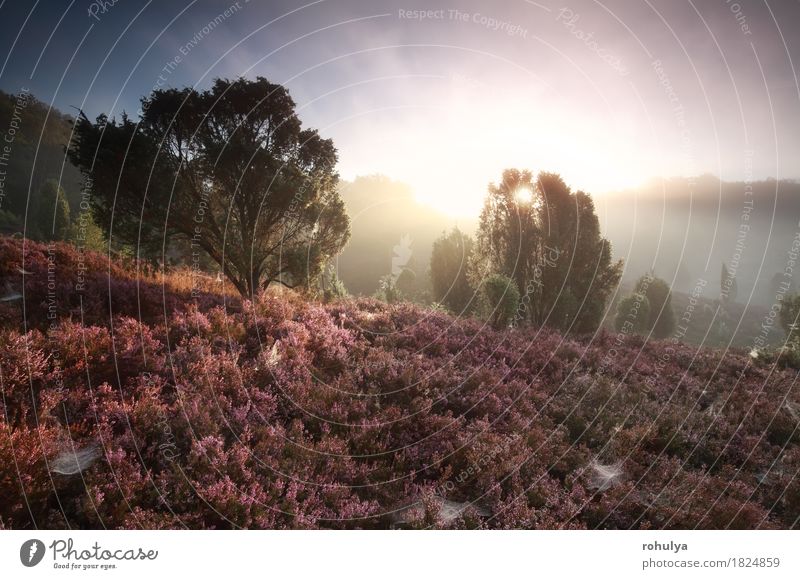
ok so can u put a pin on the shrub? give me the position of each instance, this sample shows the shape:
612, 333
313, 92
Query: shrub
633, 314
500, 298
293, 414
659, 296
333, 288
450, 257
790, 311
50, 219
60, 281
388, 290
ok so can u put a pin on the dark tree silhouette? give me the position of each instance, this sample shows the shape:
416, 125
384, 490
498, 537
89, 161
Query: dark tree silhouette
547, 239
633, 314
41, 133
499, 300
50, 213
230, 170
659, 296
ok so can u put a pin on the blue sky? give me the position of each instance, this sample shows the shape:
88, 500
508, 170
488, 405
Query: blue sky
609, 94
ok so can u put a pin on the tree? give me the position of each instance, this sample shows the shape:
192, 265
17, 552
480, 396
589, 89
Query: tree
790, 318
406, 282
727, 286
790, 321
659, 296
449, 260
779, 285
10, 223
40, 135
500, 300
331, 287
230, 169
387, 290
547, 239
51, 213
84, 232
633, 314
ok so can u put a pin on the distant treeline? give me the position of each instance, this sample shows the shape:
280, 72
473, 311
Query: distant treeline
684, 229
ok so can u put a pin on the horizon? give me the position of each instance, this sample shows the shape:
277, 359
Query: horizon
641, 188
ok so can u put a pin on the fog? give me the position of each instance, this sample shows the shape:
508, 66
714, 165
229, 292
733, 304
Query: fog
686, 229
683, 229
389, 230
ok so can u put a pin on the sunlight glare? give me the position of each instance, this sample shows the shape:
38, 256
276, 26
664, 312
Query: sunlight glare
524, 195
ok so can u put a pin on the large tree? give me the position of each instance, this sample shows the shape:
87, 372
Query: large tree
449, 260
547, 239
230, 169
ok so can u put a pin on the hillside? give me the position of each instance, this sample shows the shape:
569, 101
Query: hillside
160, 411
36, 136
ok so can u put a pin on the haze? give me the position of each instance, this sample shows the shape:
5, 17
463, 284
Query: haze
607, 94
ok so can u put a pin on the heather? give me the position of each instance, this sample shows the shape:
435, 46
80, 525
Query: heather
59, 280
282, 412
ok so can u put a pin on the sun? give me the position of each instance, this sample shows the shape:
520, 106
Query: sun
524, 195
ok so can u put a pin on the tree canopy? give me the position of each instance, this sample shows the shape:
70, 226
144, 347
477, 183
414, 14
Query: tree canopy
547, 239
633, 314
230, 170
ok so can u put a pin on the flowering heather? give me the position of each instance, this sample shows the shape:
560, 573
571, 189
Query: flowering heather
56, 281
285, 413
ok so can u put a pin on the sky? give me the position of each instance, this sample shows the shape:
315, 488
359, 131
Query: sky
445, 96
